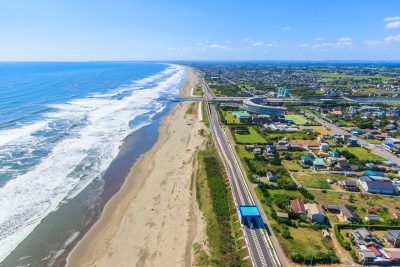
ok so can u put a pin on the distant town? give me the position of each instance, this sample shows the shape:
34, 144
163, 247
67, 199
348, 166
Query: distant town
319, 145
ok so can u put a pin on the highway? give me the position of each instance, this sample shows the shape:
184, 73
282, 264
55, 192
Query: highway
377, 149
261, 249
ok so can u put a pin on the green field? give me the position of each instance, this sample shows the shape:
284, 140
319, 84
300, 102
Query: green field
317, 180
230, 119
361, 153
292, 165
297, 119
252, 138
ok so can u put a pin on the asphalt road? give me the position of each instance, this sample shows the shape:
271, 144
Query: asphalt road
261, 250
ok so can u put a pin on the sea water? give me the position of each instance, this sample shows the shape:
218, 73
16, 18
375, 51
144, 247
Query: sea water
61, 126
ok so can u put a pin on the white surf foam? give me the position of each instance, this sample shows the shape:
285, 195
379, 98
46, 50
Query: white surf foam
78, 159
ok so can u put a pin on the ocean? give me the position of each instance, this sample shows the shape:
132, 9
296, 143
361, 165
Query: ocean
69, 133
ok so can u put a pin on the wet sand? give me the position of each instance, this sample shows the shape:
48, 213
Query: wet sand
153, 220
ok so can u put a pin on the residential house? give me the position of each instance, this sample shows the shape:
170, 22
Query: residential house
324, 147
306, 161
349, 185
346, 214
393, 237
319, 163
297, 206
363, 237
372, 218
315, 213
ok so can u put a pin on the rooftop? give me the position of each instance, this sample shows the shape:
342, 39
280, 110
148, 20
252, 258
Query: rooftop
249, 211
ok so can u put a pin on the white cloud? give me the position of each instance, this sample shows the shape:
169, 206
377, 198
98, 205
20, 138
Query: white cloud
393, 24
392, 18
218, 46
392, 38
386, 41
317, 43
258, 43
286, 28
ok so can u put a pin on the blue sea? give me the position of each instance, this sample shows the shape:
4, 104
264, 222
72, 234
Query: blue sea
61, 126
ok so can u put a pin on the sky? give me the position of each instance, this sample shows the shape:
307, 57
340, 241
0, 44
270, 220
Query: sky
82, 30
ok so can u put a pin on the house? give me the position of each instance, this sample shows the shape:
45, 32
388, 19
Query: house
339, 139
332, 208
363, 237
352, 142
342, 165
367, 255
271, 177
297, 206
393, 254
357, 132
372, 218
306, 161
241, 116
373, 209
315, 213
393, 237
349, 185
347, 214
324, 146
377, 187
319, 163
321, 139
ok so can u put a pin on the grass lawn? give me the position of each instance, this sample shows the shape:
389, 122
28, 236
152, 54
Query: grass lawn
297, 119
317, 180
252, 138
230, 119
305, 241
292, 166
361, 153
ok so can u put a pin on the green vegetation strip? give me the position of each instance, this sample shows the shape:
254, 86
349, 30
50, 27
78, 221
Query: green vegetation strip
217, 205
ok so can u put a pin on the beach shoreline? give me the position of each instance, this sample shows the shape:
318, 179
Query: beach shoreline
148, 222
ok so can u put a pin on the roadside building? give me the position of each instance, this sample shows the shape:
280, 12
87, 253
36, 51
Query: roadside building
315, 213
346, 214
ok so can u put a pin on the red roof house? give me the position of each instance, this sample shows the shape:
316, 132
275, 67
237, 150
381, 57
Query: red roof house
297, 206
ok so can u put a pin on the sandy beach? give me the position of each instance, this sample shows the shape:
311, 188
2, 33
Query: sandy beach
153, 220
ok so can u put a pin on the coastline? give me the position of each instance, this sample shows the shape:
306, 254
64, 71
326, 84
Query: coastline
148, 222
